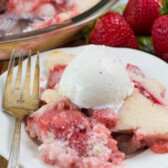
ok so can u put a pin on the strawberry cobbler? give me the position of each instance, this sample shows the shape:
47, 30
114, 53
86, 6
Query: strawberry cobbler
69, 139
27, 15
78, 134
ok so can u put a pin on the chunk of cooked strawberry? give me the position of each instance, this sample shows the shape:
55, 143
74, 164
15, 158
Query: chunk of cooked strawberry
63, 118
64, 123
160, 146
134, 69
104, 116
33, 127
150, 88
23, 6
79, 142
48, 160
55, 75
100, 129
116, 155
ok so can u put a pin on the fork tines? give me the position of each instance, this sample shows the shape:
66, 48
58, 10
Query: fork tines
22, 88
18, 101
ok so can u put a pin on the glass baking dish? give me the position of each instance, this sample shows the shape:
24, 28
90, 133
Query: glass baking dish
52, 36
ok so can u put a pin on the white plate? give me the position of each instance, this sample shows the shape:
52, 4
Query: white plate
153, 68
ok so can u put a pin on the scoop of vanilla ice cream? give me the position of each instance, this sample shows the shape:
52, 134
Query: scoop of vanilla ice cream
96, 78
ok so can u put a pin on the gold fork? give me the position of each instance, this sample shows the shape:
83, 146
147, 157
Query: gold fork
19, 101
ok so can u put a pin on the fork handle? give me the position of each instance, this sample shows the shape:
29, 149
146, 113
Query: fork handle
14, 153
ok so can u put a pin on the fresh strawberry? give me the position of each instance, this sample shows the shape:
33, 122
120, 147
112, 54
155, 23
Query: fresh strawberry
105, 116
160, 37
55, 75
113, 30
140, 15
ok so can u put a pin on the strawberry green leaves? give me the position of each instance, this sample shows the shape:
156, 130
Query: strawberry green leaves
164, 9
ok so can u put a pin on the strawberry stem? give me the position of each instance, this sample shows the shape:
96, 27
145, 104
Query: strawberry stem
84, 35
119, 9
166, 3
164, 9
145, 44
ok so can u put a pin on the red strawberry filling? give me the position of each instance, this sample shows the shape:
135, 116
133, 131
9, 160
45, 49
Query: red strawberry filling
160, 146
147, 93
131, 143
155, 142
104, 116
79, 142
28, 15
55, 75
70, 140
134, 69
26, 5
145, 87
34, 6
